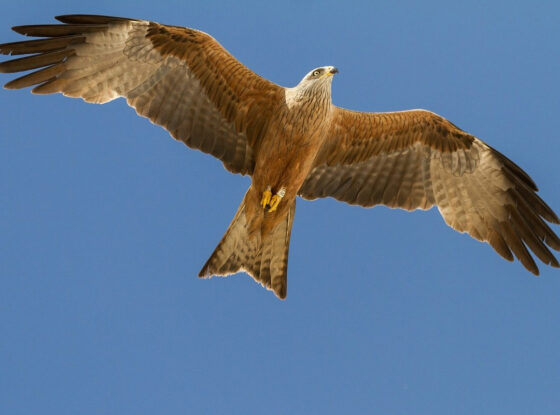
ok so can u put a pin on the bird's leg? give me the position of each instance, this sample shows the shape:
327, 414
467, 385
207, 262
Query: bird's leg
269, 202
267, 195
275, 201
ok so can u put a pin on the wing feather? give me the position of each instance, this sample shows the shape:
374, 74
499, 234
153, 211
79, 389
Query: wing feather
416, 160
179, 78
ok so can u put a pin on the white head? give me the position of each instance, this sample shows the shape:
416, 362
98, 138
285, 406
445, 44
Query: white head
318, 75
315, 85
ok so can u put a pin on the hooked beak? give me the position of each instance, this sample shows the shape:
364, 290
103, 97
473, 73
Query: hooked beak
333, 70
330, 72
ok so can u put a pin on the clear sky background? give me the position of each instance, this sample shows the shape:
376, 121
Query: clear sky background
105, 222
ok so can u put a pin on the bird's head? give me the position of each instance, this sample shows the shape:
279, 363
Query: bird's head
319, 75
316, 84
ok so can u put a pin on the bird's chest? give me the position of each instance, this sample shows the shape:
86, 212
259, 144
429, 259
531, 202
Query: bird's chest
288, 149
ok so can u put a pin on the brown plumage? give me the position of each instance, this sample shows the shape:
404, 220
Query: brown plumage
291, 141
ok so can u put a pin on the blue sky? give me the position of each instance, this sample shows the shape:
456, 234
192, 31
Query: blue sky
105, 222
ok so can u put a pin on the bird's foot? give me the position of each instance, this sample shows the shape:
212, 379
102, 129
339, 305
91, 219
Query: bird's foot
269, 202
267, 196
275, 201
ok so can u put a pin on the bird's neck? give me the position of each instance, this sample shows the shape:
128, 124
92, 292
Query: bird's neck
314, 96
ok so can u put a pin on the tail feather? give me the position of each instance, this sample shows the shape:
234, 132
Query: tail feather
263, 258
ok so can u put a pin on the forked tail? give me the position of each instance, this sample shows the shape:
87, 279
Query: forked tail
263, 258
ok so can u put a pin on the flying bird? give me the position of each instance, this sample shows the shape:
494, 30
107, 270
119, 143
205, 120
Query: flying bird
291, 141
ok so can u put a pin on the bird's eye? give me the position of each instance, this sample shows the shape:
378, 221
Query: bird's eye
316, 73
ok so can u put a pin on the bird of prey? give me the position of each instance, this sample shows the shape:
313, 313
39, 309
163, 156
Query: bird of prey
291, 141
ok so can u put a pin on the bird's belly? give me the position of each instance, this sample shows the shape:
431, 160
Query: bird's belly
284, 163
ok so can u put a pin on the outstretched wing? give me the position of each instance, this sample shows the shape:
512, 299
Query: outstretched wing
417, 159
180, 78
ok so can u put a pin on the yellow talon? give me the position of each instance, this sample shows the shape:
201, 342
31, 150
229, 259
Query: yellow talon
274, 202
267, 195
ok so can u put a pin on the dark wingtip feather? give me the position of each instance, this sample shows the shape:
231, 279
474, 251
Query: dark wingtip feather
500, 246
34, 61
20, 29
515, 169
37, 77
554, 218
56, 30
89, 19
39, 45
